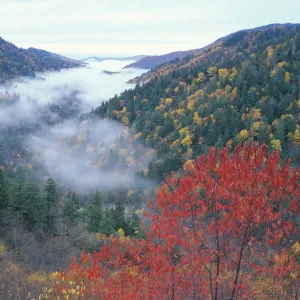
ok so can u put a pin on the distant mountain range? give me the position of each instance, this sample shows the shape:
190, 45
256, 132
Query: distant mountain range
150, 62
15, 61
100, 59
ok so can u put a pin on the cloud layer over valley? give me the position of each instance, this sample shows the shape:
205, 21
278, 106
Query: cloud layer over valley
90, 85
81, 156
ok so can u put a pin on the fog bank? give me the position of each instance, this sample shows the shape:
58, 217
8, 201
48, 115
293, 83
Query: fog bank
80, 156
89, 86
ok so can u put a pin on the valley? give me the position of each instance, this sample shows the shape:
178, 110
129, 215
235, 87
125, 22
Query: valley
179, 182
43, 135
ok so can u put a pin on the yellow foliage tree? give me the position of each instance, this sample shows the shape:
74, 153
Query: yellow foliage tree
271, 57
256, 126
295, 137
212, 71
282, 64
191, 103
137, 136
180, 111
201, 77
125, 121
234, 93
223, 74
197, 119
182, 131
189, 165
287, 77
233, 74
243, 134
187, 141
276, 145
256, 114
169, 101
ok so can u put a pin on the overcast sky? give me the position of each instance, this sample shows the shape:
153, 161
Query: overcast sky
128, 27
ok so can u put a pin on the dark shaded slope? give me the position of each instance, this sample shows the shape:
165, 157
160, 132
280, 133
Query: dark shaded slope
16, 61
47, 54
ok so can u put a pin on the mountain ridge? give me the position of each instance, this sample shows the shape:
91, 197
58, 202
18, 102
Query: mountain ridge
15, 61
151, 62
48, 53
100, 59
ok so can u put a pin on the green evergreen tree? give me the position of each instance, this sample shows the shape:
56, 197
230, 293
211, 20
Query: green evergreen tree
118, 215
18, 187
95, 213
167, 127
133, 224
71, 208
220, 144
4, 195
97, 200
211, 134
107, 225
52, 197
34, 207
280, 133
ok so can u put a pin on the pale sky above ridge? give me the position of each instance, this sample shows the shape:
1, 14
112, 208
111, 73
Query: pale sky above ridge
118, 28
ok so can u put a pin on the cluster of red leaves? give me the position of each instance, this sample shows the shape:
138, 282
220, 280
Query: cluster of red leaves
218, 232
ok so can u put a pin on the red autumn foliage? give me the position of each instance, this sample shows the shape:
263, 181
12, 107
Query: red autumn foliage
222, 231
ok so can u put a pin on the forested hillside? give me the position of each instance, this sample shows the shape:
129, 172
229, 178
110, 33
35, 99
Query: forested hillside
224, 220
16, 61
245, 88
47, 54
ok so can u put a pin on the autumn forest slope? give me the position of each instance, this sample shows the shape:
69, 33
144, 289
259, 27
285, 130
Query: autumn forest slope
243, 89
152, 62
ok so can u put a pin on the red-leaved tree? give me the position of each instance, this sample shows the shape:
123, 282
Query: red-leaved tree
224, 230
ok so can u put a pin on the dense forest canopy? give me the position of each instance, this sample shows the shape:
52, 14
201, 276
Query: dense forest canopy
245, 88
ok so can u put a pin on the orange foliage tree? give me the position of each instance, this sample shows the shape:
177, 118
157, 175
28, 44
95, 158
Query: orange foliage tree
224, 230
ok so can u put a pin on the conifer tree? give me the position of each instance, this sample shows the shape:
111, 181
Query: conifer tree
220, 143
71, 207
34, 207
4, 196
18, 191
52, 198
167, 127
133, 223
107, 226
118, 215
97, 200
95, 213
